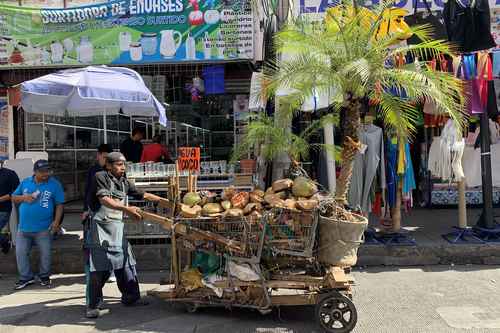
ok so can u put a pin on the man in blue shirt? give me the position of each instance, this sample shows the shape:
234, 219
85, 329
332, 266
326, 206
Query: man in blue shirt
38, 197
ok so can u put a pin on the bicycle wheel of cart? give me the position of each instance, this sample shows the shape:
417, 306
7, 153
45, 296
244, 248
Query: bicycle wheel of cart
336, 313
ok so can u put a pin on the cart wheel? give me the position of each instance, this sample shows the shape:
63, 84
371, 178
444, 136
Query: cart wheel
336, 313
191, 307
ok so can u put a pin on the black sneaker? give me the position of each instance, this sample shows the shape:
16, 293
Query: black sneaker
23, 284
6, 247
45, 282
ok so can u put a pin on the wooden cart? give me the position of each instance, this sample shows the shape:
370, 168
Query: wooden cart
242, 242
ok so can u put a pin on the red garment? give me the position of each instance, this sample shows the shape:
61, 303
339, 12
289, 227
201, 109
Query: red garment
154, 152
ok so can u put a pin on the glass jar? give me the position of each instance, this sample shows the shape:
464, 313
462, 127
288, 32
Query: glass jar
149, 43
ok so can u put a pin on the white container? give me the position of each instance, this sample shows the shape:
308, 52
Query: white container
56, 50
135, 51
85, 51
168, 45
221, 45
45, 56
68, 44
125, 38
207, 46
190, 47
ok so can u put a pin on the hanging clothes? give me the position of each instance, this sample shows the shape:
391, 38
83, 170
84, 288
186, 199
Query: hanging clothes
408, 176
445, 155
399, 169
468, 24
391, 171
367, 165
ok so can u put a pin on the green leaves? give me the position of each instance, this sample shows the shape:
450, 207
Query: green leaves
272, 141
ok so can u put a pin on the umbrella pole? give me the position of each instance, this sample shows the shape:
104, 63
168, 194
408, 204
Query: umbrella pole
105, 126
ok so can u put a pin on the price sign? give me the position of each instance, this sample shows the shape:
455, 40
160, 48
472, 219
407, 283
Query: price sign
189, 158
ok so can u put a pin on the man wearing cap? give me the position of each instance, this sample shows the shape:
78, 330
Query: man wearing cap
107, 248
38, 197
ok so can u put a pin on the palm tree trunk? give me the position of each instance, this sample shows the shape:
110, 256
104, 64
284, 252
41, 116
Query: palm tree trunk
350, 148
396, 211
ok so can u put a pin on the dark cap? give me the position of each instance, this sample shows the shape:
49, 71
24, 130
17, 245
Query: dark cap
115, 157
41, 165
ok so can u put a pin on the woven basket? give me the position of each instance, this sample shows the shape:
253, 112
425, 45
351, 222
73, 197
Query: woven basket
339, 240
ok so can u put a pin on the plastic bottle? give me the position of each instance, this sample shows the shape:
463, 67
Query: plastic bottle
190, 47
207, 47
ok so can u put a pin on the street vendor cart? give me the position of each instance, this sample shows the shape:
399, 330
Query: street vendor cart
258, 261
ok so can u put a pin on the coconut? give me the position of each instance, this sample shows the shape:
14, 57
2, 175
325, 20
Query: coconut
282, 184
240, 200
234, 212
307, 204
304, 187
190, 212
274, 201
251, 207
282, 195
191, 199
258, 192
211, 208
228, 193
226, 204
290, 204
255, 198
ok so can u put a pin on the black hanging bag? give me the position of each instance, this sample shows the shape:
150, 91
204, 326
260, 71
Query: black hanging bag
429, 18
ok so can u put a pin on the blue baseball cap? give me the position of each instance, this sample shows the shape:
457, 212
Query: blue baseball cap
41, 165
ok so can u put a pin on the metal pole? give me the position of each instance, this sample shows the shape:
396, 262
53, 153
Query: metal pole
486, 220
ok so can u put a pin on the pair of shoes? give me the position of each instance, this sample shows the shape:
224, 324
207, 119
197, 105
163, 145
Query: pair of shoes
92, 313
23, 284
6, 247
45, 282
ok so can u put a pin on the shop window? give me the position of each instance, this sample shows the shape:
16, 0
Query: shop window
65, 119
87, 138
113, 139
90, 121
59, 137
123, 123
34, 117
34, 137
112, 122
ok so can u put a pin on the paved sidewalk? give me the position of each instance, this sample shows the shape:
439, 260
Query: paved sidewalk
437, 299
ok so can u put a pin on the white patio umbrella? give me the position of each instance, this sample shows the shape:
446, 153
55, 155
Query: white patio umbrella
90, 91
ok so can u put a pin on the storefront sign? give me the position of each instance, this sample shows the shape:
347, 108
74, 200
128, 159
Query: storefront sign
127, 32
189, 158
